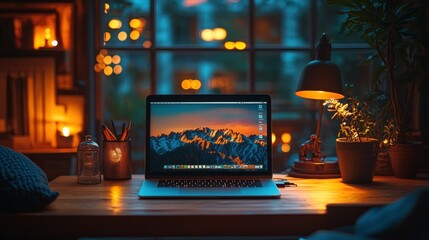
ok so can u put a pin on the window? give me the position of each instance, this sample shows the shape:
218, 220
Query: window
222, 46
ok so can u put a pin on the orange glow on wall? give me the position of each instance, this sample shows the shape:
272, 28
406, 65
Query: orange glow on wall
273, 138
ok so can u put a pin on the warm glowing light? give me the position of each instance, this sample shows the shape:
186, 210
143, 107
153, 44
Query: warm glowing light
273, 138
319, 95
117, 69
116, 59
66, 131
219, 34
108, 71
122, 36
97, 68
134, 35
107, 60
115, 198
135, 23
107, 36
115, 23
186, 84
54, 43
47, 33
229, 45
106, 8
115, 154
195, 84
240, 45
286, 137
103, 52
191, 84
207, 35
99, 58
147, 44
285, 147
385, 141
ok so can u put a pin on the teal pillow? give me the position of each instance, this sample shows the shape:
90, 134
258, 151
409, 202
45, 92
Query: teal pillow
23, 184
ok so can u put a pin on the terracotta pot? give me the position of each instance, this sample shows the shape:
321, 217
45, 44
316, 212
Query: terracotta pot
357, 159
383, 167
404, 159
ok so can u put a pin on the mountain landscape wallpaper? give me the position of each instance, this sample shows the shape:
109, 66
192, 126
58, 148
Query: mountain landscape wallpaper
209, 135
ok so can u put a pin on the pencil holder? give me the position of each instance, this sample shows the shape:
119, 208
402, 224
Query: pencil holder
117, 160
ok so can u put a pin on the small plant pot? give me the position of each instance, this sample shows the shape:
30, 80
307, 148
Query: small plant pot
357, 160
383, 167
405, 158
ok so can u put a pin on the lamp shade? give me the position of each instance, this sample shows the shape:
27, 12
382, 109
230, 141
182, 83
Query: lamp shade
321, 78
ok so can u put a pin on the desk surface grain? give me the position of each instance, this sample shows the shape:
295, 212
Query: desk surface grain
113, 208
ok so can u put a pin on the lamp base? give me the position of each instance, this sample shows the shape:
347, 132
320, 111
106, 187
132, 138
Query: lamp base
310, 169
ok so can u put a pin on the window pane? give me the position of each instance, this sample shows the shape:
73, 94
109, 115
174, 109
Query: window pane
202, 72
354, 70
124, 96
126, 24
329, 22
277, 74
207, 23
284, 23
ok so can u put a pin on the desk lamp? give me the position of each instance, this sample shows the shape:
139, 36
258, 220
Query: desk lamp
320, 80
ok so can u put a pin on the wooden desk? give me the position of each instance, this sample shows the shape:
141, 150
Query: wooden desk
113, 209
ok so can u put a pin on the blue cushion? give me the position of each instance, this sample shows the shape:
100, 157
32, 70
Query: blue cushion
406, 218
23, 185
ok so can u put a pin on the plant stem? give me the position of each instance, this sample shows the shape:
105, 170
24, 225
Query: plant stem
397, 111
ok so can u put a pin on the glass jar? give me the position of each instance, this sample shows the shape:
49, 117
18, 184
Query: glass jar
88, 165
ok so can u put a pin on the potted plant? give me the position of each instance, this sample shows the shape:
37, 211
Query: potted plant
356, 149
396, 30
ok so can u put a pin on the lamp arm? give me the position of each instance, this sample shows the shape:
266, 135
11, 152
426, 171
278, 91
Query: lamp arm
319, 120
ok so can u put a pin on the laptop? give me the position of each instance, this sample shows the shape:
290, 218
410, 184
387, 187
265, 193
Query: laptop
208, 146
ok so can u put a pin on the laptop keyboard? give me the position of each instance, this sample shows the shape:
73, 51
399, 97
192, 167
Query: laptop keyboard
195, 183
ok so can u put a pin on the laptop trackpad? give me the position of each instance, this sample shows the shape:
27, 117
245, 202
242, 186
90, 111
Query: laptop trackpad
209, 192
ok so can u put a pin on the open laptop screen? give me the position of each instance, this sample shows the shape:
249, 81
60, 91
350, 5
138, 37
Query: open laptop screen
203, 134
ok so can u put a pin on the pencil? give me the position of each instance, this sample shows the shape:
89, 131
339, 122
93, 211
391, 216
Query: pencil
108, 135
114, 129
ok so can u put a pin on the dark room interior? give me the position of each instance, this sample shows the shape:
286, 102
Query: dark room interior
345, 130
